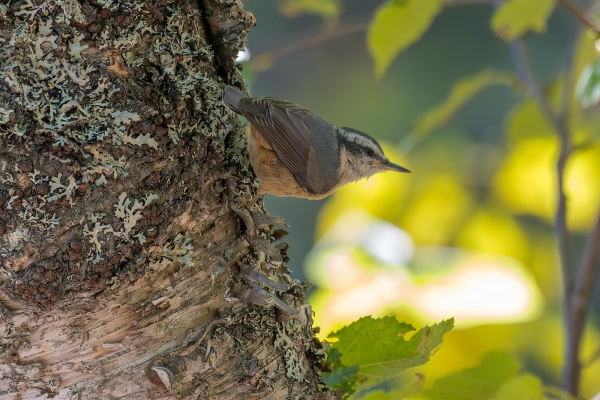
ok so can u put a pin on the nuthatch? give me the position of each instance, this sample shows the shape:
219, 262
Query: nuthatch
296, 153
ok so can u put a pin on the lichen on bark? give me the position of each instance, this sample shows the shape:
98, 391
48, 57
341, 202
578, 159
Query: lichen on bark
121, 253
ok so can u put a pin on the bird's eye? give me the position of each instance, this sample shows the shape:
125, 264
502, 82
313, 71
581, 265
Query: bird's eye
370, 152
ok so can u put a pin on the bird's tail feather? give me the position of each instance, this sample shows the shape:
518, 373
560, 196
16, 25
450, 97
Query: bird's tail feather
232, 97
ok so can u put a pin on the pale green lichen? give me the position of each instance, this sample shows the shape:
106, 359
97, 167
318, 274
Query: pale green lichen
96, 229
60, 190
106, 164
76, 48
5, 115
130, 212
39, 218
56, 90
294, 366
124, 117
140, 140
178, 250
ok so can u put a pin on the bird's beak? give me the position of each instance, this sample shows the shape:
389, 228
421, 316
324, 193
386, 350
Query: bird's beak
394, 167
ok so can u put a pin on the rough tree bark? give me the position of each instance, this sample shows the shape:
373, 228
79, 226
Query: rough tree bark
136, 261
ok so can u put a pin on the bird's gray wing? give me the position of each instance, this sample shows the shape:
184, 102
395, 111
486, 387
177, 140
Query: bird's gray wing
282, 125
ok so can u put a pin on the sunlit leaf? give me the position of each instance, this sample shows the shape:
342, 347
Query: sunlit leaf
378, 348
328, 9
405, 393
491, 231
524, 387
515, 17
480, 382
439, 207
397, 25
588, 85
526, 181
582, 187
462, 92
526, 120
556, 393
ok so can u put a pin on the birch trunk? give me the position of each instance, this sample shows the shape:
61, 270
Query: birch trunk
125, 272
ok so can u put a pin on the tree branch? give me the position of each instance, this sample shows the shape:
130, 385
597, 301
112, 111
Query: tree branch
524, 71
265, 60
575, 312
579, 305
581, 15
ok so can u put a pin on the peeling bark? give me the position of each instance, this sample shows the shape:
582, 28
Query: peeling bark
127, 266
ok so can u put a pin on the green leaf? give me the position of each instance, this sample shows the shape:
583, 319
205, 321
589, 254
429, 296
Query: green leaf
397, 25
377, 347
515, 17
555, 393
481, 382
524, 387
328, 9
527, 120
342, 378
406, 392
462, 92
588, 85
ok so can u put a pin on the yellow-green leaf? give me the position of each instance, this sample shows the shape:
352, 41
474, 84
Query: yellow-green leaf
397, 25
516, 17
462, 92
524, 387
328, 9
527, 120
480, 382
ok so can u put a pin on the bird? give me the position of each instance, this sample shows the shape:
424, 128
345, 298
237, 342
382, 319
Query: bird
296, 153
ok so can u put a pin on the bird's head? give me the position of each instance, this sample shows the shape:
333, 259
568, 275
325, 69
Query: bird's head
362, 156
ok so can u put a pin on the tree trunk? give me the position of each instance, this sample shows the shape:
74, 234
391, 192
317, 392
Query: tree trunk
132, 266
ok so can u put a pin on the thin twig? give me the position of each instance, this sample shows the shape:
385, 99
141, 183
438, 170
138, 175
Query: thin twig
574, 317
523, 68
582, 15
582, 294
577, 290
569, 83
572, 367
265, 60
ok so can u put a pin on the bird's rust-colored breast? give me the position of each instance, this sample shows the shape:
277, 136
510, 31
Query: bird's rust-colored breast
274, 177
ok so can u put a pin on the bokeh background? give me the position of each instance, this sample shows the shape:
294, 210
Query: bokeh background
469, 233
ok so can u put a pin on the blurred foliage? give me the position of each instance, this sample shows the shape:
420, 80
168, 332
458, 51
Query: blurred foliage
515, 17
370, 351
462, 92
396, 25
497, 377
481, 382
469, 233
588, 87
329, 10
399, 23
